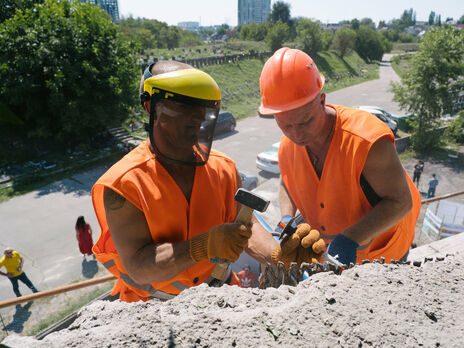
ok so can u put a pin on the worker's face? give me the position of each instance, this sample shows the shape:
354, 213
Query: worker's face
303, 124
176, 127
8, 253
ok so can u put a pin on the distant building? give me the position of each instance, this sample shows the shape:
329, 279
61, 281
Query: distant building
192, 26
110, 6
256, 11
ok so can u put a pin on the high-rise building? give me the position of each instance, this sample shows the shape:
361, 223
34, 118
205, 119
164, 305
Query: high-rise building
110, 6
253, 11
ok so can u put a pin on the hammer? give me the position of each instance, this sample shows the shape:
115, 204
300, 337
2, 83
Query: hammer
250, 201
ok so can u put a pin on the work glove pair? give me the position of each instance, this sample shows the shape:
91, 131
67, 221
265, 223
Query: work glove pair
226, 241
305, 245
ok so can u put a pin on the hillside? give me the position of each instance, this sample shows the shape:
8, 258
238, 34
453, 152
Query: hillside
239, 82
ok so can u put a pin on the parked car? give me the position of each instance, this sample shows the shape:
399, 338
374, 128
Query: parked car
382, 115
268, 160
249, 181
226, 123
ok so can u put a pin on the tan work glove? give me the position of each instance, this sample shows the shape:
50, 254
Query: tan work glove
226, 241
305, 245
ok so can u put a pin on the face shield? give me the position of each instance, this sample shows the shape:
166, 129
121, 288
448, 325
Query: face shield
183, 115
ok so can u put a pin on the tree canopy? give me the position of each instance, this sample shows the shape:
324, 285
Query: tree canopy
276, 35
65, 72
9, 7
309, 36
280, 12
344, 41
370, 44
430, 87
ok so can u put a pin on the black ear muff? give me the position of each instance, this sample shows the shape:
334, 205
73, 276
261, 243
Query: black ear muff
144, 97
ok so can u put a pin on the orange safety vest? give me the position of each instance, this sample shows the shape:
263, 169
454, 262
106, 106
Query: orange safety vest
336, 200
142, 180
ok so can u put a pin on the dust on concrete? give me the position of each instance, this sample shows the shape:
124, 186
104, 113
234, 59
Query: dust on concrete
369, 305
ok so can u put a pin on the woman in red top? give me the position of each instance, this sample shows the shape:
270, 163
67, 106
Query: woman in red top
84, 236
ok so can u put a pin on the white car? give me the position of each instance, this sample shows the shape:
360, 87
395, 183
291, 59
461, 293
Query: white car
268, 160
382, 115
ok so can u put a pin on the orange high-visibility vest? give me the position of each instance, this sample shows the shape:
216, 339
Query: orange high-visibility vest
142, 180
336, 200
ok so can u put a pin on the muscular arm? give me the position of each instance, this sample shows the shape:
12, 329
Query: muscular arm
385, 174
144, 261
287, 207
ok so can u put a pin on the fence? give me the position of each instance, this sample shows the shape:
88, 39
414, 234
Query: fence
215, 60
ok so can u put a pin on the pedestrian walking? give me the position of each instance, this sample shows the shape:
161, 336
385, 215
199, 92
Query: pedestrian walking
13, 262
84, 236
418, 169
433, 183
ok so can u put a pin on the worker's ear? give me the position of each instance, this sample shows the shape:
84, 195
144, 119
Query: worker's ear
322, 100
146, 106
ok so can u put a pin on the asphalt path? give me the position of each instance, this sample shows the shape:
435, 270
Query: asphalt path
40, 224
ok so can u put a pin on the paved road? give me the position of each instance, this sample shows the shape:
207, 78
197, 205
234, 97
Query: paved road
40, 224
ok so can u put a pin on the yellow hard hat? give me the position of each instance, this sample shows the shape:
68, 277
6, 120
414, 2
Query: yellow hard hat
188, 86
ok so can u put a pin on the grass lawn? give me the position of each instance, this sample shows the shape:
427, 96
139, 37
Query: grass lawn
402, 47
401, 63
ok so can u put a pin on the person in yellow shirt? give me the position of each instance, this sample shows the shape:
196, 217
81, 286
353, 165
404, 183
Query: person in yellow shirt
13, 262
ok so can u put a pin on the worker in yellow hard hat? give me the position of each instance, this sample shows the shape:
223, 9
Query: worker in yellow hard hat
338, 166
167, 209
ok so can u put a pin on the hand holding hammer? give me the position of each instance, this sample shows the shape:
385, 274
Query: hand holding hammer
249, 201
227, 241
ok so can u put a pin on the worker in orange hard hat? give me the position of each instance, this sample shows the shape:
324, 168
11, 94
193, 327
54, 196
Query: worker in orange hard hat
167, 209
338, 165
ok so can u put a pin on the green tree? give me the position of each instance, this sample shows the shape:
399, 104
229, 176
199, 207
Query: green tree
429, 87
222, 30
456, 128
432, 18
367, 22
145, 38
327, 39
280, 12
65, 72
370, 44
253, 31
8, 7
276, 35
309, 36
355, 24
461, 20
438, 21
344, 41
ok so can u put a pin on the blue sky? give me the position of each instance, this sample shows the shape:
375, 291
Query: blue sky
211, 12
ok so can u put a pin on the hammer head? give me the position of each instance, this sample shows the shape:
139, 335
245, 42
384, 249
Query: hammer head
251, 200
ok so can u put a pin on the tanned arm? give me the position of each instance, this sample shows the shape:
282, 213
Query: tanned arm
287, 207
144, 261
384, 172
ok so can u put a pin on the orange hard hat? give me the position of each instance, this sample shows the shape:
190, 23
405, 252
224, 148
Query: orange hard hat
289, 79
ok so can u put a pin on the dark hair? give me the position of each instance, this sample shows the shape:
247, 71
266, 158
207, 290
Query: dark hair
80, 222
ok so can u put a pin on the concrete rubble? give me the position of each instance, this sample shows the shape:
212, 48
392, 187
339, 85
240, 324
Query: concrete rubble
377, 305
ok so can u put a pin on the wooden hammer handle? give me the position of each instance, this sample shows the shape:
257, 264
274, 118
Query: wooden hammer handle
243, 217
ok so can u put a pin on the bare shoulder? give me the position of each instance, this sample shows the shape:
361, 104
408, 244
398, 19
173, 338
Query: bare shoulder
112, 200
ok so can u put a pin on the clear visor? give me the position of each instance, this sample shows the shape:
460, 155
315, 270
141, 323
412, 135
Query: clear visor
187, 134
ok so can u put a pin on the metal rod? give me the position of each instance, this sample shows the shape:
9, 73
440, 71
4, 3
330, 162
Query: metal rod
56, 291
429, 200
